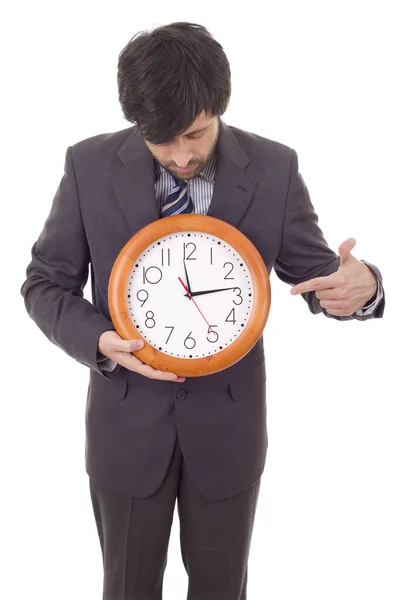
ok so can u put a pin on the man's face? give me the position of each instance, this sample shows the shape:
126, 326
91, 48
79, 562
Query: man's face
193, 148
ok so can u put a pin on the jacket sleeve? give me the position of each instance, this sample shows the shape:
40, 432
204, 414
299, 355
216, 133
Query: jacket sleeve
57, 275
304, 252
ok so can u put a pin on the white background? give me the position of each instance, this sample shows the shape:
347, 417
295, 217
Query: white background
320, 77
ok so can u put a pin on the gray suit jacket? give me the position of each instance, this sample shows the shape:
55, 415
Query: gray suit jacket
105, 196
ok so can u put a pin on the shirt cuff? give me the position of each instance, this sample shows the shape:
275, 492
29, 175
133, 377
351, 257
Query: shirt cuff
369, 308
105, 364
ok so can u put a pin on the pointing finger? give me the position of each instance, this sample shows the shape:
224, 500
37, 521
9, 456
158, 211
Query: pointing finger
318, 283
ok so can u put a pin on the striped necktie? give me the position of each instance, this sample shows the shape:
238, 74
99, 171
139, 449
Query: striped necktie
178, 200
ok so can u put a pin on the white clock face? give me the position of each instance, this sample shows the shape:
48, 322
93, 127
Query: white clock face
166, 316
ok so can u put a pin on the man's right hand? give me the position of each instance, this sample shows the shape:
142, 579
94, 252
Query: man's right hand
120, 351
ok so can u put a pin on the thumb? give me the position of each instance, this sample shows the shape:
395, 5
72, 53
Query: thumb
345, 249
130, 345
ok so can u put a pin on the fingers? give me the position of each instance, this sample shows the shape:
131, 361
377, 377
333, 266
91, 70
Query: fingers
120, 350
319, 283
127, 360
334, 294
148, 371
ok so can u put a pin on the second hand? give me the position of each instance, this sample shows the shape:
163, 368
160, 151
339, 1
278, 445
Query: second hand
195, 303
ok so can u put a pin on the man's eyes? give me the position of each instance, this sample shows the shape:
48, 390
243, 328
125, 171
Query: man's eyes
189, 137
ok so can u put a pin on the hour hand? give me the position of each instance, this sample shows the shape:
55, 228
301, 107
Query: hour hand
211, 291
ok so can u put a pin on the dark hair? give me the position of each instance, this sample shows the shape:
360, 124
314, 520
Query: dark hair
166, 77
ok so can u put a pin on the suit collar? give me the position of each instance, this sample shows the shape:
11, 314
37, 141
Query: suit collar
133, 180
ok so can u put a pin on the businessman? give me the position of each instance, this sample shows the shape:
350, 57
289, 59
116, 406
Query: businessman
153, 438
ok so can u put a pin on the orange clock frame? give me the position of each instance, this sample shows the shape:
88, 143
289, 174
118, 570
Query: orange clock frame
190, 367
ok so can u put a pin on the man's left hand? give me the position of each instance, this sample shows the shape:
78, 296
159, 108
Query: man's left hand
344, 292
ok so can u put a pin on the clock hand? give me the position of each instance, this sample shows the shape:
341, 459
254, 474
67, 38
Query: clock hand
210, 330
187, 278
211, 291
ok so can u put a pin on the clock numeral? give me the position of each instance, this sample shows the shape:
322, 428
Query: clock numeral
149, 319
185, 247
238, 296
154, 276
212, 332
233, 320
170, 333
226, 276
211, 256
142, 300
192, 340
168, 257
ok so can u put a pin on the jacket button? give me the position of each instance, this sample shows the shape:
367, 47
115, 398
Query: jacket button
181, 394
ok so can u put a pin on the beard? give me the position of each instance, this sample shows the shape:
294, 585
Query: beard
199, 163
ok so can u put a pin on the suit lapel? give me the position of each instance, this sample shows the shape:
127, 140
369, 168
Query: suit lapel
133, 181
233, 186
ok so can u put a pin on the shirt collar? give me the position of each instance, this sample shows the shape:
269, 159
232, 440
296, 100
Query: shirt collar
208, 173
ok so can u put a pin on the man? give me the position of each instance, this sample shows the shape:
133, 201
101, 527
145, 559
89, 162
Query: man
153, 438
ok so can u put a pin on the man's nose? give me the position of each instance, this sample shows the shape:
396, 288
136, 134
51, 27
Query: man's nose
182, 164
182, 160
181, 156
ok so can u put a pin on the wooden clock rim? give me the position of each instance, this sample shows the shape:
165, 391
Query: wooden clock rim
174, 224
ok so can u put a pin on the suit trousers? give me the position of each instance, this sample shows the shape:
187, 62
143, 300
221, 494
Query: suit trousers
134, 536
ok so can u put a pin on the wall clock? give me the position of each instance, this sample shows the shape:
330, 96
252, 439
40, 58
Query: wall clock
194, 289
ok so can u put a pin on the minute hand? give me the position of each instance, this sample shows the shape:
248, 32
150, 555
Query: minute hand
212, 291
